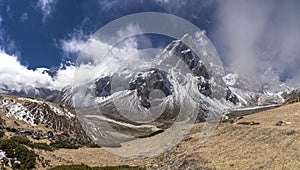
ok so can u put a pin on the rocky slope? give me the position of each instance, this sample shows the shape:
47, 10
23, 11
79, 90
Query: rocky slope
255, 141
38, 112
248, 142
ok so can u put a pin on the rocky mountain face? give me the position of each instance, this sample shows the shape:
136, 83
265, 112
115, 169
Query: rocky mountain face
38, 112
250, 96
291, 96
64, 97
151, 80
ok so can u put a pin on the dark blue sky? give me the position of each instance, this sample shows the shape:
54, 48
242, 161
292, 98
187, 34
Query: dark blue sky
34, 32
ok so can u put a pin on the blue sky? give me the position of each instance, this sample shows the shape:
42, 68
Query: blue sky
257, 38
36, 28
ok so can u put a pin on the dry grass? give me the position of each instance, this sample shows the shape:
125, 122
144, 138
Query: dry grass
263, 146
233, 146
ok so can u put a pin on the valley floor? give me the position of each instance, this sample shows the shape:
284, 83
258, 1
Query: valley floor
249, 142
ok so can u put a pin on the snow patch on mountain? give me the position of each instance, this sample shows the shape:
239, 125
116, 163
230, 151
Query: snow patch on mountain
30, 100
61, 112
17, 108
230, 79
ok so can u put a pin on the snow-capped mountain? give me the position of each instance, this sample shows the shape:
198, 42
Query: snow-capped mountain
174, 67
251, 92
183, 83
172, 70
33, 92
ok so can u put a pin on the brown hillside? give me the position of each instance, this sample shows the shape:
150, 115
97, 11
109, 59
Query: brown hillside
237, 145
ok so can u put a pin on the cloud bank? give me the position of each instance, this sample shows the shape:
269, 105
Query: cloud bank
97, 57
15, 76
260, 39
92, 49
89, 65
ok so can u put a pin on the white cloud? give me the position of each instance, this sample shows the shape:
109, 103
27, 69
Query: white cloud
24, 17
6, 43
242, 24
1, 30
92, 63
106, 5
94, 49
103, 58
15, 76
46, 6
73, 45
162, 1
260, 38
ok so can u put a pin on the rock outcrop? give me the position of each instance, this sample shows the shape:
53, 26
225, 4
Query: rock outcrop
149, 81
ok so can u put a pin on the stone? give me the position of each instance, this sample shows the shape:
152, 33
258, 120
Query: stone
291, 132
16, 123
279, 123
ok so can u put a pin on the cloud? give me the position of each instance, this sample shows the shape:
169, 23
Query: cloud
72, 45
162, 1
242, 25
6, 43
106, 5
24, 17
1, 31
92, 63
15, 76
99, 57
46, 7
93, 49
100, 52
260, 39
